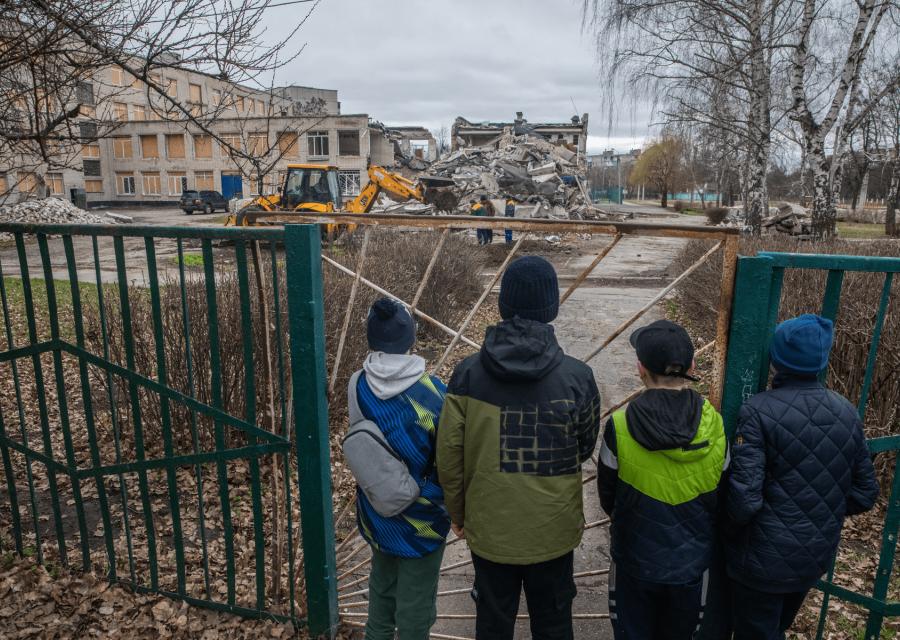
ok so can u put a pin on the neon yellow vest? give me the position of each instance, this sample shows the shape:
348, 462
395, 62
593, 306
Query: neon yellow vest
673, 476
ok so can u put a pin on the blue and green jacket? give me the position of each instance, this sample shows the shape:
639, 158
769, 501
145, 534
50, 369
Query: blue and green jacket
409, 423
661, 465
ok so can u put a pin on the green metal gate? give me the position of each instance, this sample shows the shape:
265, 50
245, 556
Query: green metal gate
161, 391
758, 296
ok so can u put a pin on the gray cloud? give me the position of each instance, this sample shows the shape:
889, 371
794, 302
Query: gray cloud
425, 62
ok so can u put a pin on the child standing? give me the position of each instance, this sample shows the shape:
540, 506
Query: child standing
661, 463
393, 391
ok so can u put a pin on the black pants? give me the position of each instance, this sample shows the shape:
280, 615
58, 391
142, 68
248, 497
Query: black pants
549, 591
716, 623
485, 236
763, 616
641, 610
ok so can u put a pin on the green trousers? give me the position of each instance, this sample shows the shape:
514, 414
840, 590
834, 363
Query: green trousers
402, 594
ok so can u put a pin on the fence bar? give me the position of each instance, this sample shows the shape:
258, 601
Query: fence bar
773, 306
480, 301
723, 319
427, 275
195, 436
662, 294
589, 269
128, 336
113, 409
348, 312
41, 396
886, 557
830, 303
307, 329
216, 396
240, 253
375, 287
165, 412
876, 340
88, 404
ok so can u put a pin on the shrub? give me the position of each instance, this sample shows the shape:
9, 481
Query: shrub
679, 206
716, 215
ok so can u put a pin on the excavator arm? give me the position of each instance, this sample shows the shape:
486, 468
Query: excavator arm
381, 180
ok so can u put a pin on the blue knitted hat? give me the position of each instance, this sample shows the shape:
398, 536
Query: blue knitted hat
802, 344
530, 290
390, 328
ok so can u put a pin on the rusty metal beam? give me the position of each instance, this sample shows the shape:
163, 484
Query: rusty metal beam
723, 320
590, 268
349, 310
427, 276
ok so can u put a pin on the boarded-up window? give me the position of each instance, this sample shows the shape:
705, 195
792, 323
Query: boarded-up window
149, 147
90, 150
54, 183
118, 77
4, 185
318, 143
122, 149
261, 107
178, 182
254, 182
91, 167
216, 98
151, 183
175, 145
26, 182
172, 87
196, 94
203, 180
88, 111
125, 184
239, 103
93, 186
348, 143
202, 146
287, 144
231, 141
120, 111
257, 144
138, 112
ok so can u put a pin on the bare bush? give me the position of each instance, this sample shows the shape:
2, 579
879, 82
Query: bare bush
716, 215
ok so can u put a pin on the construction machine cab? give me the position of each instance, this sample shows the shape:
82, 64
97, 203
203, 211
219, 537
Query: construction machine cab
311, 186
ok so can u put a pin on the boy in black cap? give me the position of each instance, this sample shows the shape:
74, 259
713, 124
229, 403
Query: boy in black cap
661, 463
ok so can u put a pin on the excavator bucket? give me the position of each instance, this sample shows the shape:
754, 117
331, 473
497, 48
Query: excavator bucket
439, 192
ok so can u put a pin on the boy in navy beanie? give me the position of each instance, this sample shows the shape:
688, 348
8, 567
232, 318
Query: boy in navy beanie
519, 420
800, 464
394, 392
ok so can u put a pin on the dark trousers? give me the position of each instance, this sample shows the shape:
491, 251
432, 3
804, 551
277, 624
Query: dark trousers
715, 623
508, 232
549, 591
641, 610
485, 236
763, 616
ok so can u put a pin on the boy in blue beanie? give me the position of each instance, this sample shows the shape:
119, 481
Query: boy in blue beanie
800, 464
394, 392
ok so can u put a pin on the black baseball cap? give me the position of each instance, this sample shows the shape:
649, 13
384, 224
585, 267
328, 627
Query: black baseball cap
664, 348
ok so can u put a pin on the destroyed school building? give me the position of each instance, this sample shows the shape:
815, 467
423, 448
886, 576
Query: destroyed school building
147, 158
572, 134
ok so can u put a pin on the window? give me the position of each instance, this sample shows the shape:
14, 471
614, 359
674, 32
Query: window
88, 131
318, 143
118, 77
202, 146
120, 111
85, 93
216, 98
575, 139
257, 144
155, 78
93, 186
125, 184
151, 183
196, 93
149, 147
231, 141
88, 111
349, 182
139, 112
90, 167
348, 143
287, 144
54, 182
254, 181
175, 145
90, 150
122, 149
203, 180
172, 87
239, 103
137, 83
26, 182
261, 107
4, 185
178, 182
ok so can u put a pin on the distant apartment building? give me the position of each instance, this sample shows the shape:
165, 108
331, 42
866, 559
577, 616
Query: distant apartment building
144, 157
478, 134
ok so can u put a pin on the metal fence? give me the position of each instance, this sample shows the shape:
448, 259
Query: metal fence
758, 297
162, 392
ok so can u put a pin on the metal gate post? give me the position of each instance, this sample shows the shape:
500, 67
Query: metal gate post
303, 264
748, 339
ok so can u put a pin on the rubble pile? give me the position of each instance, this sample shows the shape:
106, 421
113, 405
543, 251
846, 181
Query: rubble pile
527, 167
51, 211
791, 219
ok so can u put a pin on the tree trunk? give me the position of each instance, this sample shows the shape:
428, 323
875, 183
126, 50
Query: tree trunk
823, 211
892, 202
664, 198
862, 194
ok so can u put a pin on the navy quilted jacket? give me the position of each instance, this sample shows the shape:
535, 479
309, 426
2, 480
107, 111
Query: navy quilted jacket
799, 465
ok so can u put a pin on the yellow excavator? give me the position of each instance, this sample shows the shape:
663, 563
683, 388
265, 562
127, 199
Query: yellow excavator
314, 188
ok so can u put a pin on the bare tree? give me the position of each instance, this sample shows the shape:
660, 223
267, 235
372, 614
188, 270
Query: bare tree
442, 138
661, 166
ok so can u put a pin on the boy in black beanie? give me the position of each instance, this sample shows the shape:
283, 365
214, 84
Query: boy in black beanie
519, 419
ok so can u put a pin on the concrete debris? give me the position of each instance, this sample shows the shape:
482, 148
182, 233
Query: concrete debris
791, 219
53, 211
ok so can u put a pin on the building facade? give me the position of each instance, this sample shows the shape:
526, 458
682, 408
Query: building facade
478, 134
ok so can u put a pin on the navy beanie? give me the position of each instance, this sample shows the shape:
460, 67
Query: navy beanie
390, 328
530, 290
802, 344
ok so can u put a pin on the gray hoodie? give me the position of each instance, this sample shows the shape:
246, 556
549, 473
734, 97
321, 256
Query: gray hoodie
390, 374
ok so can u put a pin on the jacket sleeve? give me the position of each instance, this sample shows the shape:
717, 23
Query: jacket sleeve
747, 469
608, 469
588, 427
864, 488
450, 456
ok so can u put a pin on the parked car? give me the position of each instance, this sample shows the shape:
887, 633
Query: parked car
205, 201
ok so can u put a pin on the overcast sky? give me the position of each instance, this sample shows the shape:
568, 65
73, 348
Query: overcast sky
424, 62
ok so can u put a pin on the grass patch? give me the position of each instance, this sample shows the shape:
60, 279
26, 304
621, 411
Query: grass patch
860, 230
194, 260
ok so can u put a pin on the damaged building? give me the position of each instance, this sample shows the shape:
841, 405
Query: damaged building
572, 134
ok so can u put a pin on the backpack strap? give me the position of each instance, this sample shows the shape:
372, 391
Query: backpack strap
356, 414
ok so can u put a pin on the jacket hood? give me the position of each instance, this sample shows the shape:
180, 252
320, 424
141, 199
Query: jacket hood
519, 349
390, 374
670, 420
